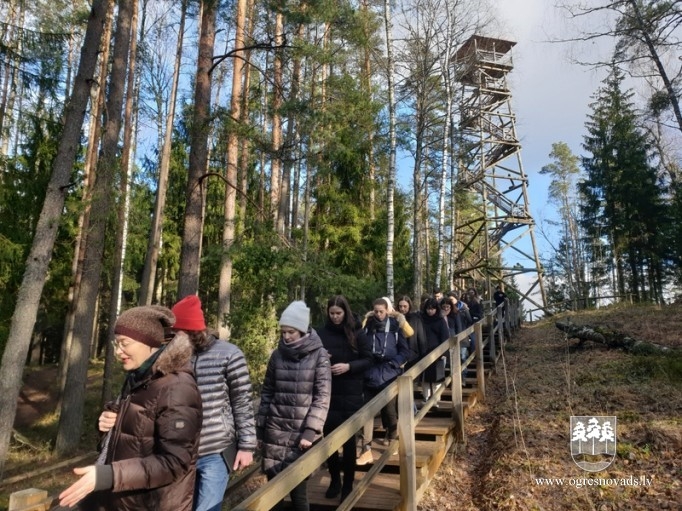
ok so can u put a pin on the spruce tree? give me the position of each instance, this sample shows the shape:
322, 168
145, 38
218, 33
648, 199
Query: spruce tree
624, 212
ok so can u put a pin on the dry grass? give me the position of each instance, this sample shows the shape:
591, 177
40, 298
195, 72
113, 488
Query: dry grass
37, 420
521, 433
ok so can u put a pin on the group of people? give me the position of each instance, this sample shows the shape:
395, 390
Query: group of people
185, 418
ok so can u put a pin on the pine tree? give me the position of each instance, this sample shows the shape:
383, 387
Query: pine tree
569, 257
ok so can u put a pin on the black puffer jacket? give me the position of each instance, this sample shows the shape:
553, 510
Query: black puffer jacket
347, 388
294, 400
152, 451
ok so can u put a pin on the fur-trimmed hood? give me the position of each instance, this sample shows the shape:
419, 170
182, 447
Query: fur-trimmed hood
175, 356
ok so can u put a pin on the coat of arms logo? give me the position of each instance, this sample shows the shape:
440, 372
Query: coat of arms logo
593, 441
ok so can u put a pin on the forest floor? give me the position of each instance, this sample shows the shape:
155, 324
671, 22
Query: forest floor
518, 440
517, 454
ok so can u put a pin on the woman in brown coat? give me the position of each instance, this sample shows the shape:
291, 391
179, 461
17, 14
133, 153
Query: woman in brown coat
151, 433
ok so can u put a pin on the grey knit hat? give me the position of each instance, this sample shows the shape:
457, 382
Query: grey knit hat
145, 324
296, 315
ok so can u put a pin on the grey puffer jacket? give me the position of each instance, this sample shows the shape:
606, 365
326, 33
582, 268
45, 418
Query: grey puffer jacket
294, 400
225, 387
152, 452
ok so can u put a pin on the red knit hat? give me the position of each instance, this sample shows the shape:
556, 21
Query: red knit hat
188, 314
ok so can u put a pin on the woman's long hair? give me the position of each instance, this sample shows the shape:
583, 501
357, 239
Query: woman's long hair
348, 322
407, 299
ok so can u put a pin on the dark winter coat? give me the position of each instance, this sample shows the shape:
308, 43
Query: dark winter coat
225, 387
459, 318
437, 332
475, 310
152, 449
390, 352
347, 395
294, 400
417, 341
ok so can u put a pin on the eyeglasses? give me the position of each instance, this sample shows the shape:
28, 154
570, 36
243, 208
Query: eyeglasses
119, 344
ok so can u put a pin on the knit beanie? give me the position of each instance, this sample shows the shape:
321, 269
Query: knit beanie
188, 314
145, 324
296, 315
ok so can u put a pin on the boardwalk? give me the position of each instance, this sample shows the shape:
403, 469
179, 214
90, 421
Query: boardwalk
434, 436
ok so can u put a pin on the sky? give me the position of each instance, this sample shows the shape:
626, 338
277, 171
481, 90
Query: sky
550, 94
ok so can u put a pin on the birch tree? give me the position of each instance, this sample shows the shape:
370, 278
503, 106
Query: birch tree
390, 186
155, 236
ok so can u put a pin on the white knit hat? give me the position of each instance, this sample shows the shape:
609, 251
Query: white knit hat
296, 315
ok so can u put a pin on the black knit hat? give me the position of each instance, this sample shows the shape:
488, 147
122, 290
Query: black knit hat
145, 324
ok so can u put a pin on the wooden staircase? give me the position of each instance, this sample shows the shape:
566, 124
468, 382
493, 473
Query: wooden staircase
434, 437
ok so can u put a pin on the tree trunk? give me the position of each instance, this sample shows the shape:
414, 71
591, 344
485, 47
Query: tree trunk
673, 95
198, 155
417, 228
28, 299
276, 159
244, 153
154, 245
290, 142
611, 338
127, 164
8, 79
388, 25
71, 415
445, 159
94, 135
225, 284
367, 86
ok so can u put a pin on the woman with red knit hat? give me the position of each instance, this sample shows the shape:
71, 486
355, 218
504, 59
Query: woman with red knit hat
150, 434
228, 431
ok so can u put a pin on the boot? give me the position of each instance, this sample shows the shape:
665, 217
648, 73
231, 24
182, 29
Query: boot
366, 456
334, 487
348, 479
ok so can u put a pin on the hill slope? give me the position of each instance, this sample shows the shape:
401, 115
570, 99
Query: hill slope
518, 455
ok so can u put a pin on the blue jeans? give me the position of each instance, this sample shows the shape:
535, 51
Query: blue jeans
212, 477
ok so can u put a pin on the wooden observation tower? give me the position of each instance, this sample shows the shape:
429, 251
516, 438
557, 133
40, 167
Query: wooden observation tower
496, 239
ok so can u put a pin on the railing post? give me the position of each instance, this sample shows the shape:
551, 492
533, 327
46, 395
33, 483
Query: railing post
491, 339
480, 366
456, 391
30, 499
500, 326
406, 442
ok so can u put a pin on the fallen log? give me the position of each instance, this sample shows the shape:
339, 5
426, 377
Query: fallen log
610, 338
